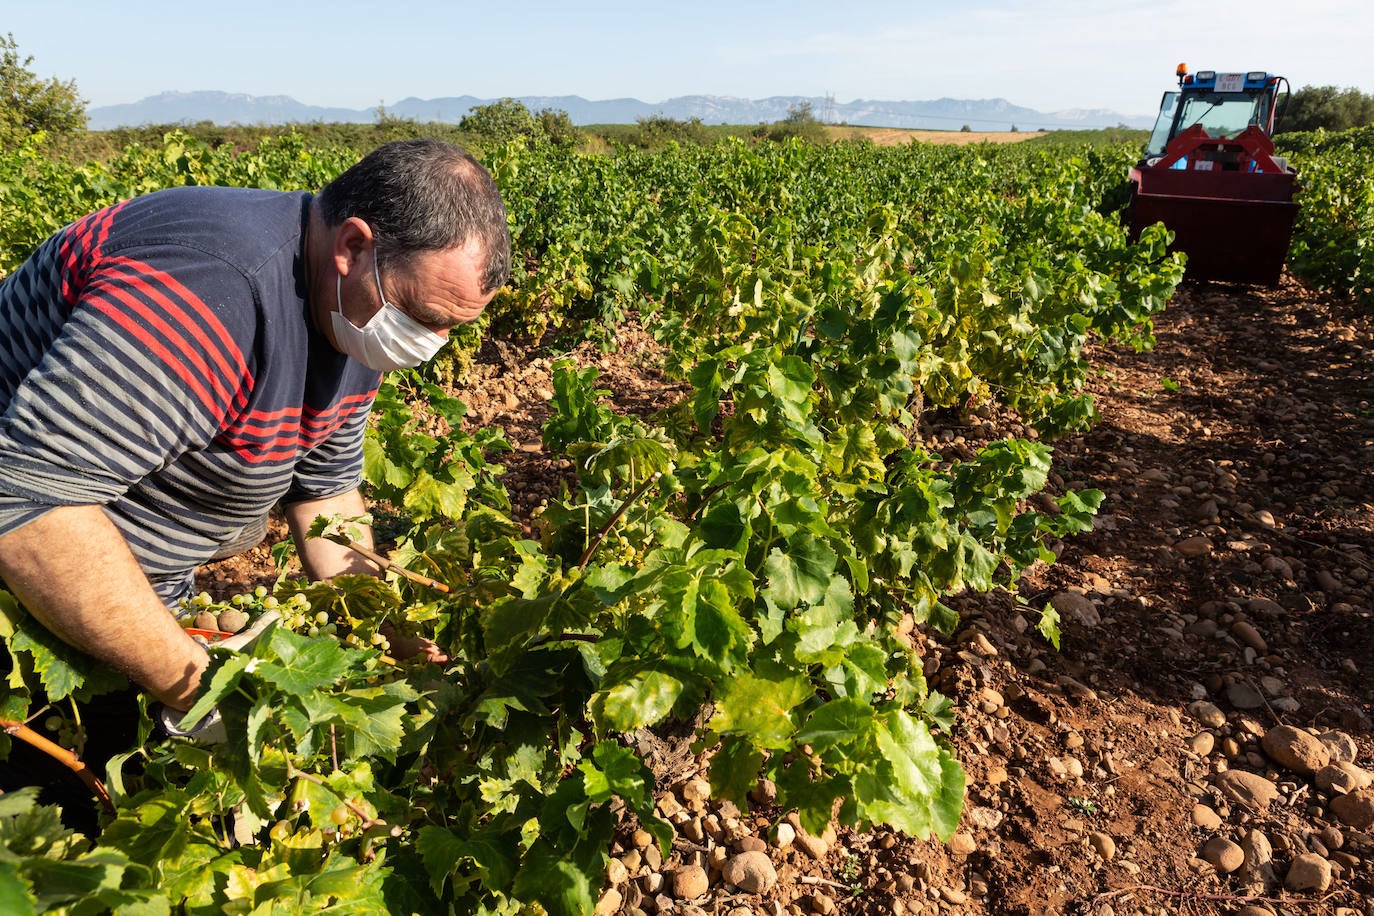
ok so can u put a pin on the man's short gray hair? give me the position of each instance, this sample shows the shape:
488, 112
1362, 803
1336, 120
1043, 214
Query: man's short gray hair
423, 195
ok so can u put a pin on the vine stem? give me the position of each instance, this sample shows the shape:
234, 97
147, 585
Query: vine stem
386, 564
62, 756
367, 819
705, 499
564, 637
624, 507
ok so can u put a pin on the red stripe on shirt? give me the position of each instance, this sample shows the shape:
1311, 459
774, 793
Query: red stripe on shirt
156, 347
326, 414
274, 414
311, 413
255, 451
310, 417
190, 354
143, 274
81, 249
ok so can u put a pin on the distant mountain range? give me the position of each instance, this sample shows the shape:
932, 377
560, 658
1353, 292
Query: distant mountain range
227, 108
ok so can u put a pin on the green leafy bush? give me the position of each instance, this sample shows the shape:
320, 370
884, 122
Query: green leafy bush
508, 119
30, 105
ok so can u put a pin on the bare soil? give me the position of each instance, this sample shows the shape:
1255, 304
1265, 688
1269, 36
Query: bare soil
1230, 565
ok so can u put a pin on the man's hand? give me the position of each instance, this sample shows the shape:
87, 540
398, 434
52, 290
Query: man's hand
322, 558
404, 647
210, 729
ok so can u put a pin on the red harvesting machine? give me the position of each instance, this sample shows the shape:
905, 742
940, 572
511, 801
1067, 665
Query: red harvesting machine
1210, 175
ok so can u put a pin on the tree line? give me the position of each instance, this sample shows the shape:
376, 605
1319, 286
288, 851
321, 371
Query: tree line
1326, 108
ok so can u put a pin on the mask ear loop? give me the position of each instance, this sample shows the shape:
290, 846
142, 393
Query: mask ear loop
378, 276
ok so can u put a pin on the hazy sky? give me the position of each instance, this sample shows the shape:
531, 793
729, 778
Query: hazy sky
1115, 54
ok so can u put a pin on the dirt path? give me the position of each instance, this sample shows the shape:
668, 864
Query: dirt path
1223, 598
1224, 593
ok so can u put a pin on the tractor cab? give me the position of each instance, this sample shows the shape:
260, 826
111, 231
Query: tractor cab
1222, 104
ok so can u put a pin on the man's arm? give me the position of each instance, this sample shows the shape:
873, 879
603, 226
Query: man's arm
324, 559
321, 558
73, 571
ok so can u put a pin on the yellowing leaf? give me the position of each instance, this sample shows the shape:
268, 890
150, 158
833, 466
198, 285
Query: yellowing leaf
759, 708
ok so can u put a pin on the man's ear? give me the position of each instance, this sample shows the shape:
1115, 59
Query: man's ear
352, 240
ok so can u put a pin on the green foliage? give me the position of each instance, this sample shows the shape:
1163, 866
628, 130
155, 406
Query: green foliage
1103, 137
45, 867
1333, 243
417, 457
1326, 108
507, 119
657, 131
763, 545
320, 137
800, 124
648, 132
39, 194
30, 105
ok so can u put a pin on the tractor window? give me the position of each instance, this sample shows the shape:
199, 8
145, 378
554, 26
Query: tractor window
1159, 137
1222, 114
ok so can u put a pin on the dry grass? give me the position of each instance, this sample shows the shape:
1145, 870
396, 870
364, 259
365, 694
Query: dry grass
892, 136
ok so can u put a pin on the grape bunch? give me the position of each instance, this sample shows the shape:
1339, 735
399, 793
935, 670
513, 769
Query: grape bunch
66, 731
296, 614
233, 615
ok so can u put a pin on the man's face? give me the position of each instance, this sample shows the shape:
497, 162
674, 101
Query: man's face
439, 289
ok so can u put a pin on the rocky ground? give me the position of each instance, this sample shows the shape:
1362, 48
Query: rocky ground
1202, 743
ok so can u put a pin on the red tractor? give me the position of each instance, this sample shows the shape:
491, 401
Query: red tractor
1210, 175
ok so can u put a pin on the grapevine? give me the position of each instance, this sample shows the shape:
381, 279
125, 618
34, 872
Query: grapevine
751, 558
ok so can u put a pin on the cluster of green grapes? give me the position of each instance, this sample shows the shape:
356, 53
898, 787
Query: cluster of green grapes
361, 641
66, 731
626, 552
235, 614
319, 624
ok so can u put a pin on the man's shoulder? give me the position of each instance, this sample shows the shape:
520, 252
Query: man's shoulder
245, 227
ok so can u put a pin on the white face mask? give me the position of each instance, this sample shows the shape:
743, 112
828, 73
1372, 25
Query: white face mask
391, 339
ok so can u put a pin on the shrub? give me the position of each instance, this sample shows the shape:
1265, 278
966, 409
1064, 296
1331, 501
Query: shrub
29, 105
1328, 108
800, 123
658, 131
508, 118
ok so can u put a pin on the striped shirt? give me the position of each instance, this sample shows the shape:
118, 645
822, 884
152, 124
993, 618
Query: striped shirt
158, 358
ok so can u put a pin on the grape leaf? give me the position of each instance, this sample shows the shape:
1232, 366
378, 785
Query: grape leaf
63, 670
839, 721
442, 852
306, 664
15, 892
735, 770
643, 698
562, 887
759, 708
801, 574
